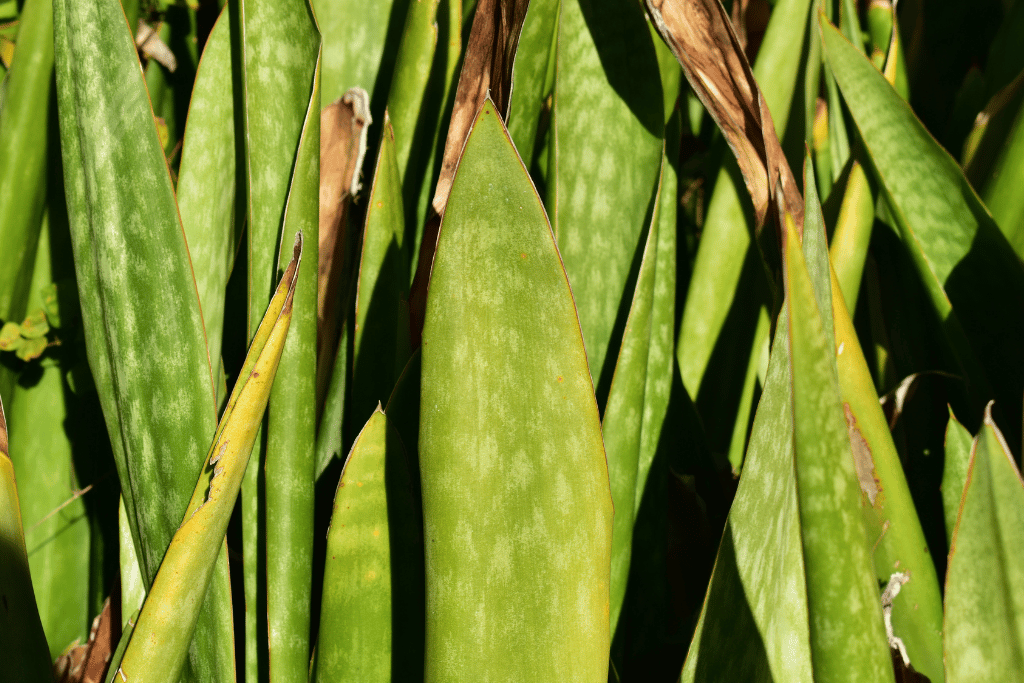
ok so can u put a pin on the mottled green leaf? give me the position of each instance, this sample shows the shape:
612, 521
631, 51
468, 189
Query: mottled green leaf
622, 424
533, 63
371, 624
211, 212
133, 586
847, 638
960, 254
10, 337
607, 126
281, 54
26, 657
508, 413
356, 38
959, 444
984, 629
34, 325
381, 337
143, 325
159, 643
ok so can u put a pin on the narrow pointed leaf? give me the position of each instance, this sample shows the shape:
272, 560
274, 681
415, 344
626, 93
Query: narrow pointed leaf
212, 211
960, 254
158, 645
622, 424
381, 338
607, 115
847, 637
533, 63
984, 630
144, 333
371, 624
959, 444
517, 573
27, 657
849, 248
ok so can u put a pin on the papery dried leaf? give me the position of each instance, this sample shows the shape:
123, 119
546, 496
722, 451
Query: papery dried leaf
87, 663
703, 40
486, 68
343, 128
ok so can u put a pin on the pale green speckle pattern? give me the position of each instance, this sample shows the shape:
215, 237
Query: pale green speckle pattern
354, 32
143, 326
984, 624
757, 594
516, 502
606, 137
529, 75
848, 641
207, 179
958, 445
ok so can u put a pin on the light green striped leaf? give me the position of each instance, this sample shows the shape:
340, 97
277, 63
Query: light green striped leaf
847, 638
607, 128
211, 190
371, 624
144, 333
517, 572
533, 76
959, 444
960, 255
984, 629
356, 36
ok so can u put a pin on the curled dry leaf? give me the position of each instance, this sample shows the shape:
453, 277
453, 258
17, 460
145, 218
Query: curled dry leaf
486, 69
343, 128
703, 40
149, 43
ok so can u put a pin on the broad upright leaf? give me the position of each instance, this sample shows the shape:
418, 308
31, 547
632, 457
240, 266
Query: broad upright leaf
607, 127
984, 630
26, 657
847, 638
156, 651
211, 193
143, 326
961, 256
517, 572
371, 623
356, 36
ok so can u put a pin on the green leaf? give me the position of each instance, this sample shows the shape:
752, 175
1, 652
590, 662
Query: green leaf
999, 193
144, 333
521, 431
534, 61
23, 154
133, 586
35, 326
847, 639
26, 655
984, 630
960, 255
754, 625
849, 248
607, 129
371, 624
355, 47
159, 643
10, 337
212, 213
622, 424
959, 444
727, 288
54, 514
281, 49
380, 347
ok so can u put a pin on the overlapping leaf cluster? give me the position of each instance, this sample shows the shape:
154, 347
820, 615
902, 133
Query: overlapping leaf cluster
618, 341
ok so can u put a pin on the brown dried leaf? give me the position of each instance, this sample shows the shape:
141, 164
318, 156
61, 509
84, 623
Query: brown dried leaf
486, 68
703, 40
87, 663
863, 461
343, 128
3, 431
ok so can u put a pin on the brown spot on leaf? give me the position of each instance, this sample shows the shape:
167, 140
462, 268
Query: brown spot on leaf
862, 459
